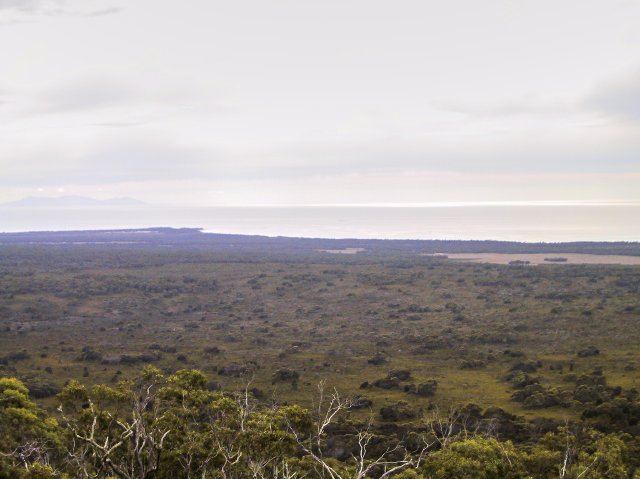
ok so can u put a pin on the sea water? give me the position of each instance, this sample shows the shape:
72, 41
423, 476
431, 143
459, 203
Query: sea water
498, 222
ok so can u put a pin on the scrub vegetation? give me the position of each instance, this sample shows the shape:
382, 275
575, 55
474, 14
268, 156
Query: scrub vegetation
172, 353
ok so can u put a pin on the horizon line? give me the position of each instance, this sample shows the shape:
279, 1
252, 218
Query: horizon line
426, 204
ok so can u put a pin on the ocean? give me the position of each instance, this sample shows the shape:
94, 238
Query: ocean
530, 223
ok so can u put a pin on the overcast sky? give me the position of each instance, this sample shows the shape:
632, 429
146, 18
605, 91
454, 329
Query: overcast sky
207, 102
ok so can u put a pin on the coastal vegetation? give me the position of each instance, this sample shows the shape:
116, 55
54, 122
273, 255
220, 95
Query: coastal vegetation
170, 354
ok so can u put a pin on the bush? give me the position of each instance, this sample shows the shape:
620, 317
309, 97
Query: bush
387, 383
284, 375
476, 458
400, 374
427, 388
400, 411
377, 360
587, 352
88, 354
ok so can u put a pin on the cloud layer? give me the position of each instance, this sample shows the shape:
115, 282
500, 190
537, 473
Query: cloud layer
251, 99
27, 9
620, 98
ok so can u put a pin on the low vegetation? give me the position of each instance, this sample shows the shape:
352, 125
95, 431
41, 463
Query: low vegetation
161, 358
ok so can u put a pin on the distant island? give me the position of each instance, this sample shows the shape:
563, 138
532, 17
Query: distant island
71, 201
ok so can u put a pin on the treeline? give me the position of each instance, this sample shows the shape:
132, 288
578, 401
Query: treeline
175, 426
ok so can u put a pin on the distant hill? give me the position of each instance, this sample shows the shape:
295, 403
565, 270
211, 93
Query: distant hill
71, 202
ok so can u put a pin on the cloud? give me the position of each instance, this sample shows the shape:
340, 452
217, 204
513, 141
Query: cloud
110, 163
85, 95
32, 6
151, 156
103, 12
118, 124
620, 99
23, 5
105, 103
530, 105
150, 160
583, 151
54, 8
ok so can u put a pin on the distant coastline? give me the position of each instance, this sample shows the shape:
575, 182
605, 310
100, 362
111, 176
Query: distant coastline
196, 239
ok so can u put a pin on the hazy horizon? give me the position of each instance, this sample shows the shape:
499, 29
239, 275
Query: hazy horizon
135, 202
531, 223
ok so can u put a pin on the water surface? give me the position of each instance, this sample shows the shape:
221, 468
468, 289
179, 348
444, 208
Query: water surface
512, 223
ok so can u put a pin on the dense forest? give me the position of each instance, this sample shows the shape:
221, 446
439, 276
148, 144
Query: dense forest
175, 353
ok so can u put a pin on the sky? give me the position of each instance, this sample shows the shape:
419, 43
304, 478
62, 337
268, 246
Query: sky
294, 102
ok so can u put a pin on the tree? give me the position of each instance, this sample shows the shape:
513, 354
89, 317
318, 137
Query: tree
475, 458
30, 440
167, 427
115, 431
361, 465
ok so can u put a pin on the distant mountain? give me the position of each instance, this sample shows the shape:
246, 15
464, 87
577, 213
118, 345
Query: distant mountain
71, 202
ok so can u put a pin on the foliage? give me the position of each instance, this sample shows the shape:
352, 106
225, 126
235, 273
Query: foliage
546, 354
30, 439
171, 426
